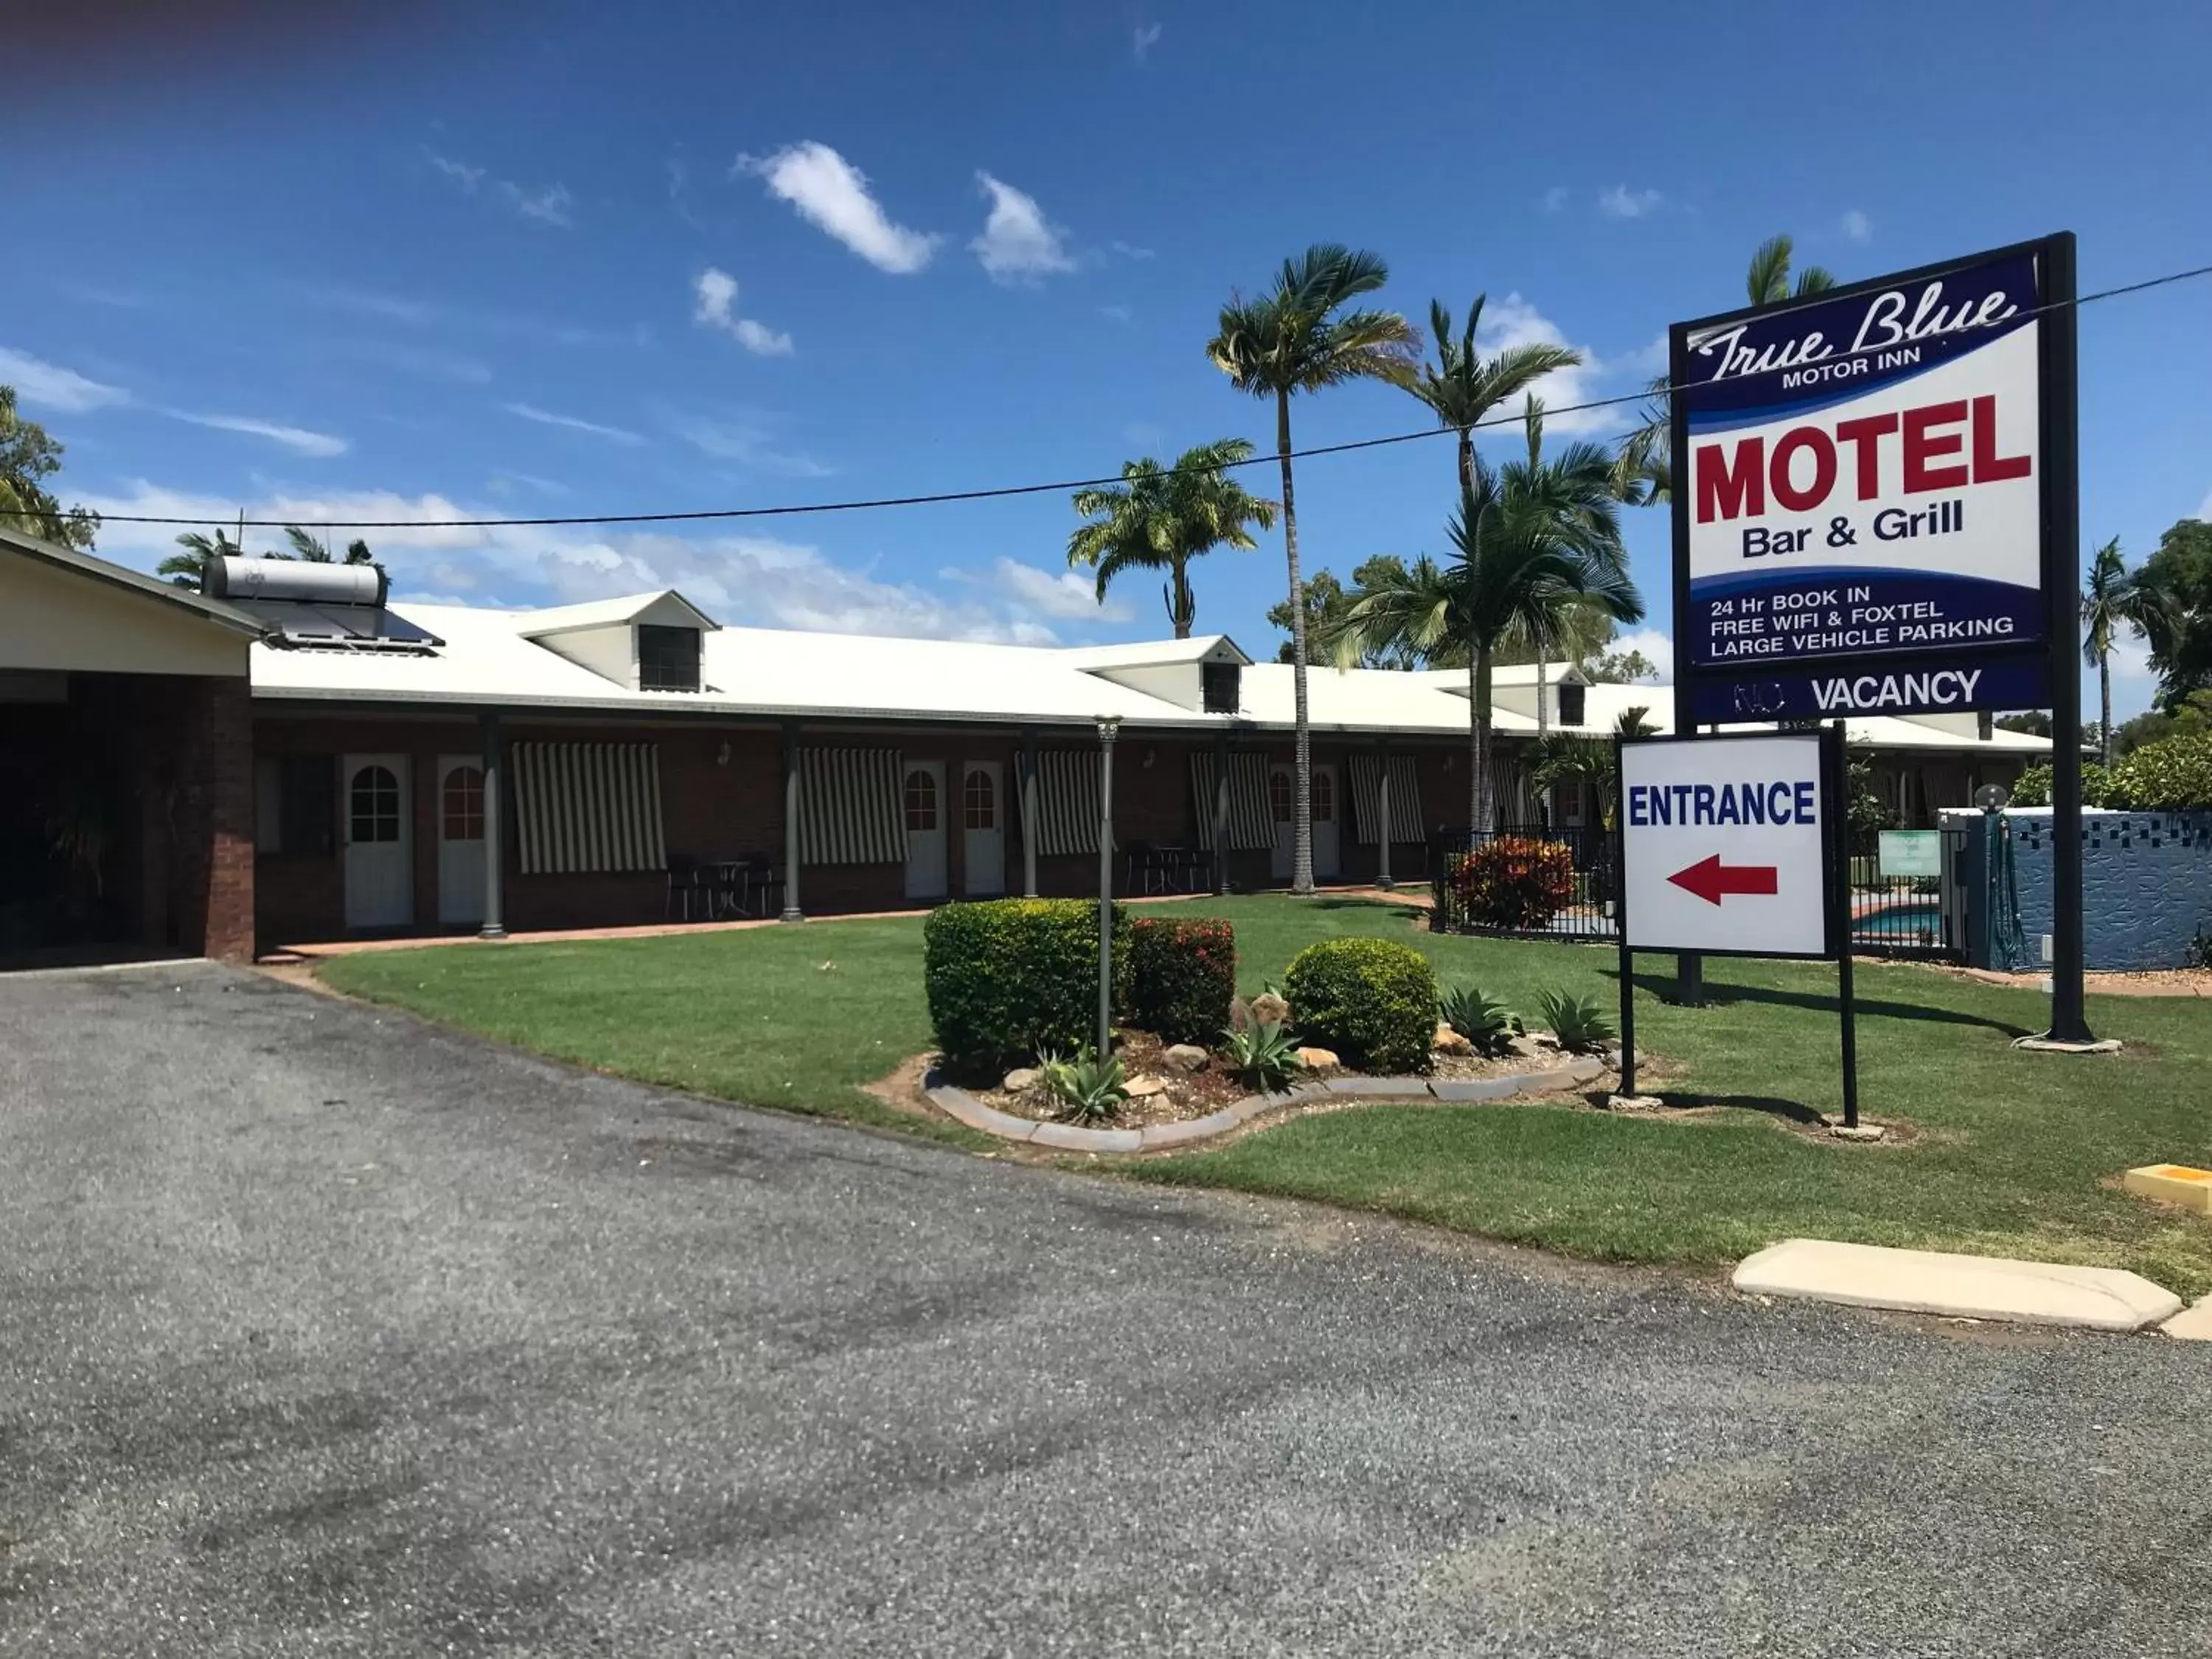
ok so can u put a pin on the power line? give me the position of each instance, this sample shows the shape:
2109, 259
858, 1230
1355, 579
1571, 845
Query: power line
1063, 486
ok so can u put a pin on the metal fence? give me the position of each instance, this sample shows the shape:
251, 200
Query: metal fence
1909, 915
1529, 881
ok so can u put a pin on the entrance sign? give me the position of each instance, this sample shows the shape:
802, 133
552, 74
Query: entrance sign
1733, 846
1726, 844
1860, 521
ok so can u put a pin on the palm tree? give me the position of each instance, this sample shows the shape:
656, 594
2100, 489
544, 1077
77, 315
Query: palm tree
1525, 538
1462, 386
1297, 337
313, 549
1161, 517
1644, 471
189, 568
1571, 758
1767, 282
2110, 599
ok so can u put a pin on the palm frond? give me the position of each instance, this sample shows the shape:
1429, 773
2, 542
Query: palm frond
1767, 282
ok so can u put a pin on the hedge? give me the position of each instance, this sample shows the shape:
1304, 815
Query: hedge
1373, 1001
1514, 881
1007, 977
1182, 976
2174, 774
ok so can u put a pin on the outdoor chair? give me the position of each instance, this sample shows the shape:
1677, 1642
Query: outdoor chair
760, 891
684, 884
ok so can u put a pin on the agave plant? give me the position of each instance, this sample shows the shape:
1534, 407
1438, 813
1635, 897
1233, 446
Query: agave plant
1262, 1055
1088, 1089
1578, 1021
1486, 1023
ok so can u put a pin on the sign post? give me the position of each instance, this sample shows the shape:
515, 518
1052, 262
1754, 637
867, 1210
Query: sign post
1734, 845
1876, 512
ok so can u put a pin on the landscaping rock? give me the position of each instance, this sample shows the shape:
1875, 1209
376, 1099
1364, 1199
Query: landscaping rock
1450, 1041
1144, 1088
1271, 1010
1526, 1047
1188, 1056
1315, 1060
1020, 1079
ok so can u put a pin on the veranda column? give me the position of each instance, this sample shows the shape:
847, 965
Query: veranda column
792, 912
495, 839
1221, 812
1029, 814
1382, 812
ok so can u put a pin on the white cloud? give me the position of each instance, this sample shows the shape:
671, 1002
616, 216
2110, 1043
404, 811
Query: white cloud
367, 302
718, 297
468, 178
751, 443
1065, 594
1858, 227
1555, 199
754, 579
1622, 203
49, 385
575, 423
548, 204
2204, 507
1131, 250
831, 194
321, 445
1117, 313
1512, 321
1146, 37
1018, 244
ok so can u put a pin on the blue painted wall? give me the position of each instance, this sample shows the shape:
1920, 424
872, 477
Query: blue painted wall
2146, 886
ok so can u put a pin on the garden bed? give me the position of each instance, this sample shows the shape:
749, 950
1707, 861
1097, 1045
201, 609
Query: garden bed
1186, 1094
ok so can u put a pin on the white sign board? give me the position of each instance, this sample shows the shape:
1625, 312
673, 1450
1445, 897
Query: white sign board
1910, 853
1723, 844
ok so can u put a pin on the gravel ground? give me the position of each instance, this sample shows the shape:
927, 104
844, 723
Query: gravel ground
323, 1332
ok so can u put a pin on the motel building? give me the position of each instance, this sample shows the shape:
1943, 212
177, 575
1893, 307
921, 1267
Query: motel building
288, 758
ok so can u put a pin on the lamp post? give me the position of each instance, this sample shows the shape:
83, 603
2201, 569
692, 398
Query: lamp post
1108, 726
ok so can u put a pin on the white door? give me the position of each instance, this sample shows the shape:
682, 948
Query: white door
983, 830
379, 866
1282, 803
1328, 863
460, 838
925, 830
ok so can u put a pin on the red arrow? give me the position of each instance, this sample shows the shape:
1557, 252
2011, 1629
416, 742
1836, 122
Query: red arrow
1709, 878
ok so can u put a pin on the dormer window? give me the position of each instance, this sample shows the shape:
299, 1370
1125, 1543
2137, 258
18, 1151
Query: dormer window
1221, 686
667, 658
1571, 703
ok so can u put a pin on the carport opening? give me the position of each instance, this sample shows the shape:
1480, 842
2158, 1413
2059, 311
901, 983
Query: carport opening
99, 830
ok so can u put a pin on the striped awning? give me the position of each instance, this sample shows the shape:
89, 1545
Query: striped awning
852, 808
1250, 822
1407, 823
1067, 802
588, 806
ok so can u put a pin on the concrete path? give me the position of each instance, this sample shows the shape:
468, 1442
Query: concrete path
326, 1333
1957, 1286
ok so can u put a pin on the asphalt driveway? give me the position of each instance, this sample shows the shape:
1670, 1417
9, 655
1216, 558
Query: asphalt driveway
325, 1331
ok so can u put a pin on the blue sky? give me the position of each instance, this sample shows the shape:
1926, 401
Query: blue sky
670, 259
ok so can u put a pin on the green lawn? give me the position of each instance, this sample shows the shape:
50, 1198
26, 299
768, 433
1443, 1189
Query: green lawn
2012, 1157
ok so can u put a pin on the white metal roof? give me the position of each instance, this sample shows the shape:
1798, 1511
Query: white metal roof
493, 658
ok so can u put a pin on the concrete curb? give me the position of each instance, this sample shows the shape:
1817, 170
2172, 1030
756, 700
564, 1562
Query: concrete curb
958, 1103
1957, 1286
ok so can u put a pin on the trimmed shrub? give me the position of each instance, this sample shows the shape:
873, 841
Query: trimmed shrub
1008, 977
1371, 1000
1182, 976
2174, 774
1514, 881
